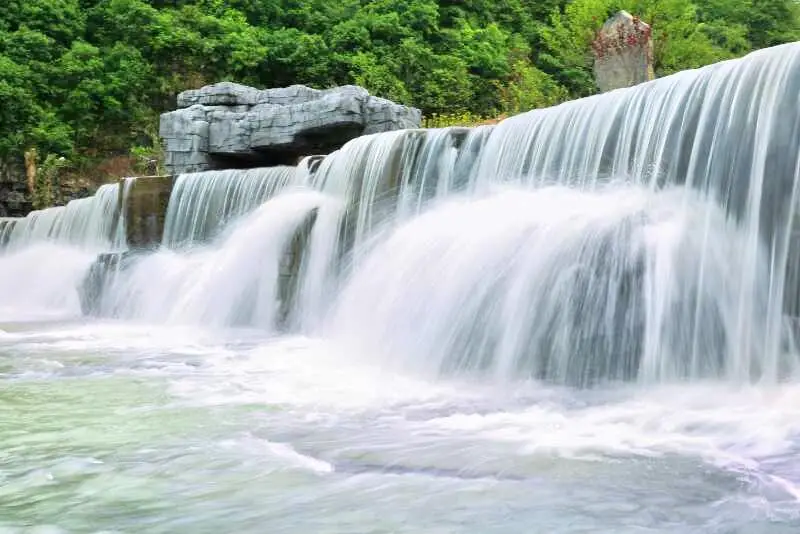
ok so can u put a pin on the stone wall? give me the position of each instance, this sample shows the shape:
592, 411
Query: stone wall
623, 52
227, 125
144, 207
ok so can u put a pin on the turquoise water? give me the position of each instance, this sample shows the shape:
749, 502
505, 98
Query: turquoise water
110, 427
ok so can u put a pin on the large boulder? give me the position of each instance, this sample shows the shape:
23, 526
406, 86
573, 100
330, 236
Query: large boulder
231, 125
623, 53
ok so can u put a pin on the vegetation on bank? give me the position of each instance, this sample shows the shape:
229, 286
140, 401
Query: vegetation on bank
87, 79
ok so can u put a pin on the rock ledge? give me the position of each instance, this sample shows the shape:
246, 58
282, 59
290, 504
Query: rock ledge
227, 125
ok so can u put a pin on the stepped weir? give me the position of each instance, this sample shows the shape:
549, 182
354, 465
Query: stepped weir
647, 233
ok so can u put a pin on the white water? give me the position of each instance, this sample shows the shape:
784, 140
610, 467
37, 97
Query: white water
233, 284
31, 286
654, 250
566, 285
6, 225
170, 429
203, 203
458, 294
88, 223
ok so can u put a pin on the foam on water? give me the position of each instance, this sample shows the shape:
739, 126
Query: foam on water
30, 286
747, 431
322, 414
284, 454
233, 283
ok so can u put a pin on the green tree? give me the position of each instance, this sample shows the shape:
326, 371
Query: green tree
84, 79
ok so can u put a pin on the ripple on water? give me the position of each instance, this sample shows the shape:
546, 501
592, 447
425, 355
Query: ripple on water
130, 431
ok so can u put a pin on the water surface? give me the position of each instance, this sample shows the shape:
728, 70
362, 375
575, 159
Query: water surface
112, 427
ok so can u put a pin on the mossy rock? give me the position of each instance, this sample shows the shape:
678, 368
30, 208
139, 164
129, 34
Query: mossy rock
145, 210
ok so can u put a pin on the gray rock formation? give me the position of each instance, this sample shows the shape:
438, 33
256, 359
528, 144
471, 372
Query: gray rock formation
229, 125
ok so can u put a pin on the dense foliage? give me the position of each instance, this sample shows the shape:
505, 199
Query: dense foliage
84, 78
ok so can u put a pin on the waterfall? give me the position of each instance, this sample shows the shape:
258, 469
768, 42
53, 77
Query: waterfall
88, 223
6, 226
237, 282
562, 284
202, 203
119, 238
642, 234
44, 256
729, 132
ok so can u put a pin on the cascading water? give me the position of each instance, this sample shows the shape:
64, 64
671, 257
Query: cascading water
427, 331
201, 204
87, 223
119, 240
562, 284
32, 283
729, 131
234, 284
536, 281
6, 226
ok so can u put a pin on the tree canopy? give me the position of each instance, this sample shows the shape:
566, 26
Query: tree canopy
83, 78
